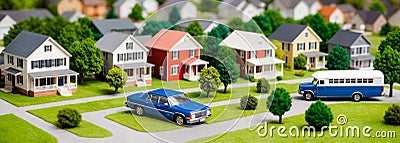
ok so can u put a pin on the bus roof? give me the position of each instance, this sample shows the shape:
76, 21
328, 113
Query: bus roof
348, 74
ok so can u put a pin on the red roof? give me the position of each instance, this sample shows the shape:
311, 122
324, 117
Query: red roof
327, 10
165, 39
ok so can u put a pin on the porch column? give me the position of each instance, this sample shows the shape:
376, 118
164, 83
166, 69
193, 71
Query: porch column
34, 84
282, 68
68, 79
197, 69
308, 60
56, 81
323, 60
254, 71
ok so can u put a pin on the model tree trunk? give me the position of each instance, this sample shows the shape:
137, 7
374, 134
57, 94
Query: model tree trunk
391, 90
81, 76
280, 119
225, 86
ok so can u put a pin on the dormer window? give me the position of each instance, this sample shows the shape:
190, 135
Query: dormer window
47, 48
306, 34
253, 54
175, 55
192, 53
129, 45
242, 54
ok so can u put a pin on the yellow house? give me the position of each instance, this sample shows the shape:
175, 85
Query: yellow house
300, 39
69, 5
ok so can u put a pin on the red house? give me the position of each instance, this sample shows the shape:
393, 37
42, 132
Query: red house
175, 55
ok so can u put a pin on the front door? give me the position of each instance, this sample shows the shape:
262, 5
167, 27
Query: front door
13, 80
61, 81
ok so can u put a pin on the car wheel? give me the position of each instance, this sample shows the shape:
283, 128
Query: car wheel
308, 96
357, 97
139, 110
180, 120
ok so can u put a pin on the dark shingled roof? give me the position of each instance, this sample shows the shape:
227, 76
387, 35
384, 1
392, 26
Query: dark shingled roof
203, 22
287, 32
347, 7
369, 17
19, 15
25, 43
347, 38
142, 38
293, 3
328, 2
389, 12
234, 3
257, 3
110, 41
108, 25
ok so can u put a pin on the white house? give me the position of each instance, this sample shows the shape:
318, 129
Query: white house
206, 24
124, 51
123, 8
38, 66
256, 54
72, 16
228, 9
296, 9
6, 22
186, 9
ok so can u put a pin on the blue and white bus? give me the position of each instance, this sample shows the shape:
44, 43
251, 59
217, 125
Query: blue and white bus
355, 84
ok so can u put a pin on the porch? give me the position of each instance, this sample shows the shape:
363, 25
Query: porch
138, 73
313, 60
264, 67
64, 81
193, 68
362, 62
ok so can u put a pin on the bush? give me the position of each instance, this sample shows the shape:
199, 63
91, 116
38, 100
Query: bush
299, 73
279, 78
248, 102
246, 76
263, 86
2, 84
318, 115
252, 79
69, 118
392, 115
300, 62
289, 66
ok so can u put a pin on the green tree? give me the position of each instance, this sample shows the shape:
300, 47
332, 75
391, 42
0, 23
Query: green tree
317, 23
236, 24
338, 59
53, 26
194, 29
74, 32
111, 14
278, 52
19, 4
161, 1
174, 15
385, 29
248, 102
392, 40
388, 62
263, 86
377, 5
264, 23
212, 73
153, 27
84, 21
68, 118
207, 84
86, 58
318, 115
333, 28
116, 78
275, 18
251, 26
279, 102
220, 32
209, 6
136, 13
110, 2
392, 115
300, 62
306, 20
229, 71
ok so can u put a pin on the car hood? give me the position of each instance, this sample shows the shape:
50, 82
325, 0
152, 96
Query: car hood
192, 106
308, 84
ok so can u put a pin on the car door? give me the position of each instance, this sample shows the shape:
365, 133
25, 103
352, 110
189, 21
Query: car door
163, 107
153, 98
321, 88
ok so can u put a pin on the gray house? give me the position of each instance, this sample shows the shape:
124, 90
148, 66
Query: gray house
186, 9
102, 27
72, 16
358, 47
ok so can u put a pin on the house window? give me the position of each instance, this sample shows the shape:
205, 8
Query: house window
120, 57
130, 56
253, 54
20, 79
286, 47
174, 70
306, 34
352, 51
161, 70
10, 60
300, 46
313, 45
268, 53
175, 55
47, 48
192, 53
242, 54
286, 59
20, 63
129, 46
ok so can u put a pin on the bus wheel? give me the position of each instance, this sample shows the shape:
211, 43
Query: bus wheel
357, 97
308, 96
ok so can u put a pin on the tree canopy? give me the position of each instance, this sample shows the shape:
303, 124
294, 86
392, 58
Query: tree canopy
116, 78
392, 40
136, 13
174, 15
377, 5
236, 24
209, 80
388, 62
317, 23
319, 115
111, 14
220, 32
229, 71
153, 27
279, 102
338, 59
264, 23
275, 18
194, 29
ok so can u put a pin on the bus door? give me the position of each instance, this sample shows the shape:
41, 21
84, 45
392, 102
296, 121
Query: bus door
321, 88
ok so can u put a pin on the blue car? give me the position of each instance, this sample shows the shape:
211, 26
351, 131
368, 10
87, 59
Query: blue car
173, 105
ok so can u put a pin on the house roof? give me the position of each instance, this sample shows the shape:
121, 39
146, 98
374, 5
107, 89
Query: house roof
142, 38
165, 39
362, 57
194, 61
19, 15
247, 41
53, 73
314, 54
108, 25
257, 3
203, 22
389, 13
234, 3
111, 41
346, 38
265, 61
165, 92
177, 3
293, 3
282, 33
68, 14
327, 10
328, 2
310, 2
346, 7
93, 2
134, 65
22, 47
369, 17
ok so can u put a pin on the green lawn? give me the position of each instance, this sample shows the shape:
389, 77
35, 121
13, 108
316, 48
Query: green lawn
16, 130
85, 129
361, 115
289, 75
375, 40
1, 43
394, 87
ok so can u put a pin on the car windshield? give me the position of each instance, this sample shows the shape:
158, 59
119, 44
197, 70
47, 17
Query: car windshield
178, 99
315, 81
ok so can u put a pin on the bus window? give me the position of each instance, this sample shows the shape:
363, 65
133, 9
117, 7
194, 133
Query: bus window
330, 80
359, 80
321, 82
347, 80
370, 81
336, 81
341, 80
353, 80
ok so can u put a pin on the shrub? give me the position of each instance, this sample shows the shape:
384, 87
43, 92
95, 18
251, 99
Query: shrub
246, 76
248, 102
318, 115
263, 86
300, 62
289, 66
279, 102
299, 73
392, 115
69, 118
312, 70
2, 84
279, 78
252, 79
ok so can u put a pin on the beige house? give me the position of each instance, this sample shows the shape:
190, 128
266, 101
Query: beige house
38, 66
300, 39
371, 21
393, 16
69, 5
94, 8
332, 14
125, 52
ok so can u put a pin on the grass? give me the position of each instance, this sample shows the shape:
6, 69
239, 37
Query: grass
85, 129
15, 129
394, 87
361, 115
1, 43
375, 40
289, 74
